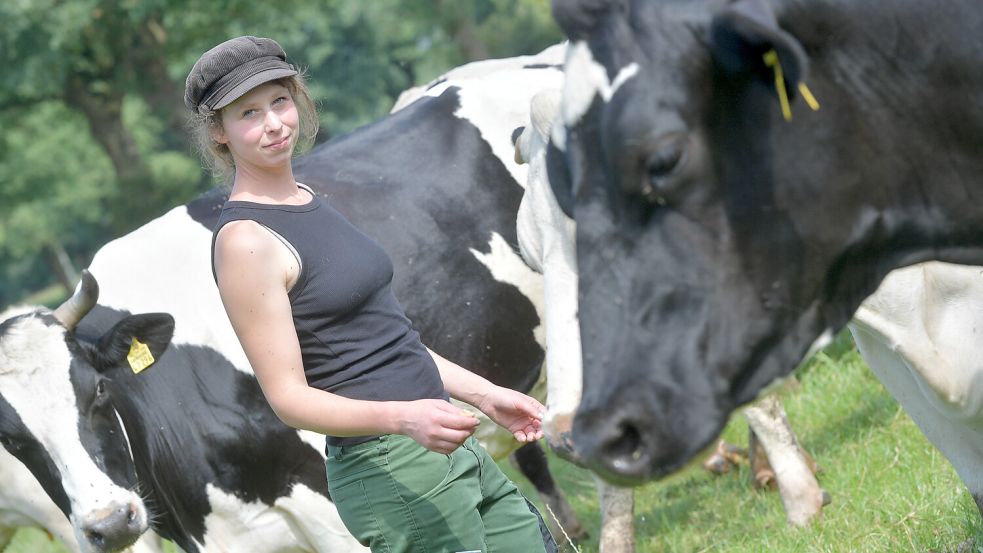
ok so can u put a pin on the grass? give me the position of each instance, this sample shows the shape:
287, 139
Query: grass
892, 491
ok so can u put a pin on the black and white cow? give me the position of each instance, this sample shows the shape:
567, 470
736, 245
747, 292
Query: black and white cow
434, 183
721, 232
55, 418
546, 240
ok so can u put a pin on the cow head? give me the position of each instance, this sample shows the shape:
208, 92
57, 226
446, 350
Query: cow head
56, 416
717, 240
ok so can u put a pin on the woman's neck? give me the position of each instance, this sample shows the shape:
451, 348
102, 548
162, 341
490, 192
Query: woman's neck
265, 186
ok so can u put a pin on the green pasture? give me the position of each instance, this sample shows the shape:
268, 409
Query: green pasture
891, 490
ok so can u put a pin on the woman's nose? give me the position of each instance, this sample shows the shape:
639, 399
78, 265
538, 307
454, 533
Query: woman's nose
273, 122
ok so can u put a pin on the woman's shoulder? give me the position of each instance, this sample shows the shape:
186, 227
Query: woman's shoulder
243, 240
239, 232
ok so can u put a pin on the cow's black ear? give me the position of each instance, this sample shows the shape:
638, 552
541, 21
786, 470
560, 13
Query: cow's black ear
155, 330
744, 32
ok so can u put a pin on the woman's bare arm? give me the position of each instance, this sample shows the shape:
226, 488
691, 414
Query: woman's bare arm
253, 269
520, 414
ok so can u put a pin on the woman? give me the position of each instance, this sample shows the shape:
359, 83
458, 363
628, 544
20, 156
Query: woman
309, 298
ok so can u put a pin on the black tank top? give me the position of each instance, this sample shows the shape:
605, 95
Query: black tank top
354, 337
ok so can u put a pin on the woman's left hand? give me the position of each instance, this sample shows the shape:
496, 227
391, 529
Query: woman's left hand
518, 413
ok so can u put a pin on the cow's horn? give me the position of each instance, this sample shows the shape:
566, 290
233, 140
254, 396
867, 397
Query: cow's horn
85, 297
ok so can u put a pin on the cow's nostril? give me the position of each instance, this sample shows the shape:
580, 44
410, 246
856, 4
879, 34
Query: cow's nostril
115, 530
627, 444
626, 452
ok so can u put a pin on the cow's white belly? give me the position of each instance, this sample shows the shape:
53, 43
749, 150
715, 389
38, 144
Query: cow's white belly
304, 521
921, 335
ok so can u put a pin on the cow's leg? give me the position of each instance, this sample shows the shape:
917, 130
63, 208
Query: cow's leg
530, 459
762, 475
724, 457
617, 518
802, 497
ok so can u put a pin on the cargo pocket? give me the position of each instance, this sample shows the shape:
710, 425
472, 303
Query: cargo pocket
356, 512
428, 477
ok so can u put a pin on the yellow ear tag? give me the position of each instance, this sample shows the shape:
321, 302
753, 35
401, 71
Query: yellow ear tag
139, 357
771, 60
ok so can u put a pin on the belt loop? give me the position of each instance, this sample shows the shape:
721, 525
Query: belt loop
337, 451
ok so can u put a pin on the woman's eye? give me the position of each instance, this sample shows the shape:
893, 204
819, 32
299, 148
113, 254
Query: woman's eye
248, 113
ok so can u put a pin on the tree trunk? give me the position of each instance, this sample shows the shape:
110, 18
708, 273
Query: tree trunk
62, 265
161, 93
104, 113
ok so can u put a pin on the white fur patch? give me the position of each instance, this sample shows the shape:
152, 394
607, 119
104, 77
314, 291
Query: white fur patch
303, 521
507, 266
586, 79
495, 98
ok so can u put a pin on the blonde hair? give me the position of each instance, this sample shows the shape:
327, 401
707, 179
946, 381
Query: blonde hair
217, 157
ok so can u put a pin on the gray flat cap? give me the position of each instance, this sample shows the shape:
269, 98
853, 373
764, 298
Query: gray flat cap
226, 72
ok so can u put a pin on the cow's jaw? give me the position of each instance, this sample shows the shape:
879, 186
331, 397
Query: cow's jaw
104, 516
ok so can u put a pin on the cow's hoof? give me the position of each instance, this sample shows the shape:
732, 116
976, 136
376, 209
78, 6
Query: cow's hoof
765, 479
717, 464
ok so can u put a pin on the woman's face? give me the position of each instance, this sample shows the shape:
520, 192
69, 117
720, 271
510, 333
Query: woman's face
261, 127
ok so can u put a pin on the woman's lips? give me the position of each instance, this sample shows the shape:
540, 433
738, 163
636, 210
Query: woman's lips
278, 145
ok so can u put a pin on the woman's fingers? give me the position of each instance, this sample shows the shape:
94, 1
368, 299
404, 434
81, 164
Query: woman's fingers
448, 441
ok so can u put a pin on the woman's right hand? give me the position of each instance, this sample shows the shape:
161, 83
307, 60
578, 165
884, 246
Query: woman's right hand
436, 424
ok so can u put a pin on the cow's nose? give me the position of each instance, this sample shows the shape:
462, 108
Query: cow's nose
615, 444
118, 529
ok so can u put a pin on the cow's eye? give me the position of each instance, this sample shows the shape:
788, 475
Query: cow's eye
101, 388
8, 443
662, 164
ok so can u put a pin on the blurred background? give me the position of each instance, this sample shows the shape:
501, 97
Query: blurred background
94, 141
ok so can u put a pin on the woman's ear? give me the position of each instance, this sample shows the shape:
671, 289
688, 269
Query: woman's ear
218, 133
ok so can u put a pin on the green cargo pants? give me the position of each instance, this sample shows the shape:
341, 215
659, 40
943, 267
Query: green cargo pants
395, 496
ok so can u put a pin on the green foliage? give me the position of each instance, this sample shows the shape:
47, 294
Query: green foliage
92, 97
48, 193
48, 190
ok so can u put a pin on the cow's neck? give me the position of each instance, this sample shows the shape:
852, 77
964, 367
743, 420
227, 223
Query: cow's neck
890, 165
902, 85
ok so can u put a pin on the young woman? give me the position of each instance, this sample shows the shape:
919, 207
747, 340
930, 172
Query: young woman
309, 298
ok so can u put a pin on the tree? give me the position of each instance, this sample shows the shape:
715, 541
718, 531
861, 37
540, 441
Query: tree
93, 94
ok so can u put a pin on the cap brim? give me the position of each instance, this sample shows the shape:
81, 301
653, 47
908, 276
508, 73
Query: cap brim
252, 82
